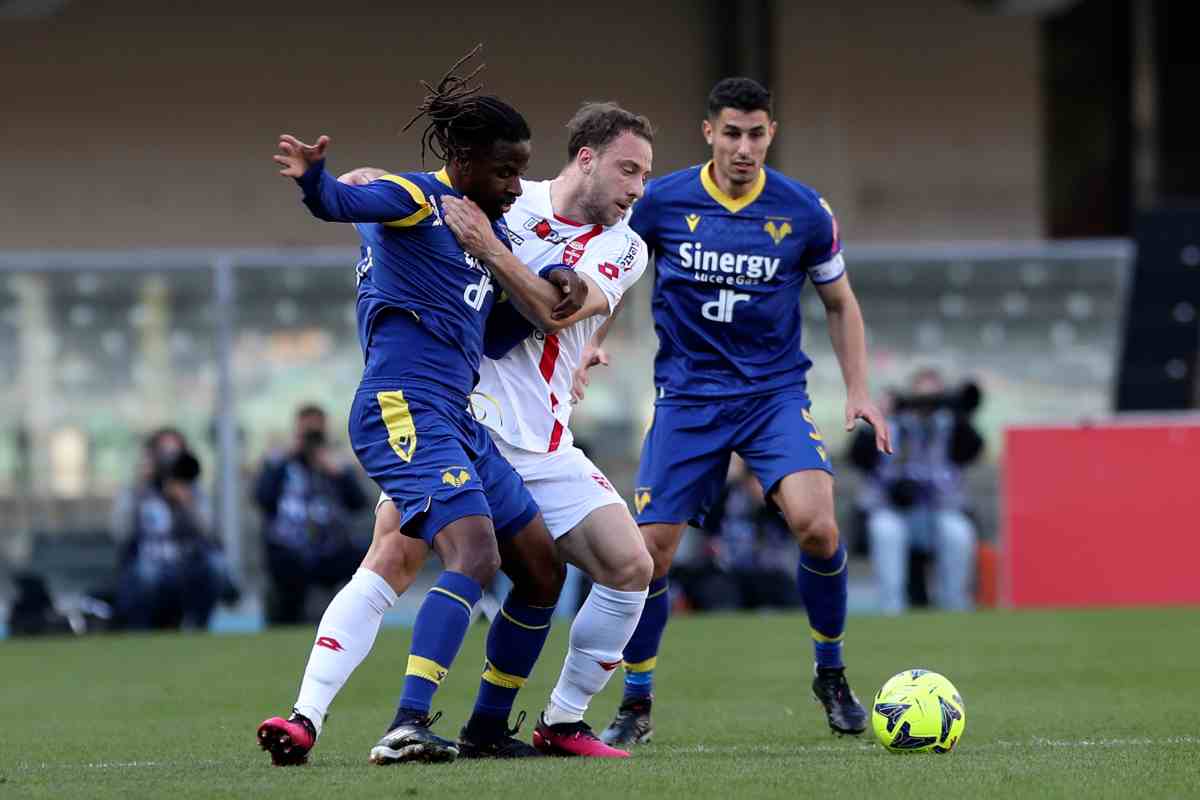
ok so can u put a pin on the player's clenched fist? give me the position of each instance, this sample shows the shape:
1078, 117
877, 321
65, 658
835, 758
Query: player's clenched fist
296, 157
574, 290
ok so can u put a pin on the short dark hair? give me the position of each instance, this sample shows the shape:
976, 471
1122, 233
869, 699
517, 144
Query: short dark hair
596, 125
463, 123
743, 94
309, 410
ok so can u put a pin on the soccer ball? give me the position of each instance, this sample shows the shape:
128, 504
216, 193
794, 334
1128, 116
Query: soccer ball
918, 711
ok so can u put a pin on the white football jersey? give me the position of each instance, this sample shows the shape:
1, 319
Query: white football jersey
525, 397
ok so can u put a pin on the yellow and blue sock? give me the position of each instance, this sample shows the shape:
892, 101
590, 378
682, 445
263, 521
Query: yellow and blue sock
641, 654
437, 636
514, 643
823, 587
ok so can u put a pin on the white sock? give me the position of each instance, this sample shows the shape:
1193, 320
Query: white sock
344, 637
598, 637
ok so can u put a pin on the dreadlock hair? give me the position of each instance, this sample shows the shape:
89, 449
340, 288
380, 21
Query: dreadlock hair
462, 121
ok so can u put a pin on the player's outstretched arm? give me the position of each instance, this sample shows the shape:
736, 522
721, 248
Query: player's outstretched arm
849, 337
361, 176
332, 201
553, 303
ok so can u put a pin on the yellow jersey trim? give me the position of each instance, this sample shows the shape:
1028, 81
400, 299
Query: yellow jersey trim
501, 679
453, 596
520, 624
426, 668
418, 197
642, 666
731, 204
444, 177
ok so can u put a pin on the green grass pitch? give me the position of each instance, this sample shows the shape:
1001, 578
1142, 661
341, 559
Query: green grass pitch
1059, 704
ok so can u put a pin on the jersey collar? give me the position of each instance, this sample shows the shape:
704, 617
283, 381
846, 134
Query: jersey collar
732, 204
444, 177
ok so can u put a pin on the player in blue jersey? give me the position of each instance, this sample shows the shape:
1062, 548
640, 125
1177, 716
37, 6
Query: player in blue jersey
734, 243
422, 305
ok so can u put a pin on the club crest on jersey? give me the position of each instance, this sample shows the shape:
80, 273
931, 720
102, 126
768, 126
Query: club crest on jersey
641, 498
778, 232
573, 252
692, 221
542, 229
455, 476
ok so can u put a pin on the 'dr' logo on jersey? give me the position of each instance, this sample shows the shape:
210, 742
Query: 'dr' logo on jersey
692, 221
641, 498
778, 232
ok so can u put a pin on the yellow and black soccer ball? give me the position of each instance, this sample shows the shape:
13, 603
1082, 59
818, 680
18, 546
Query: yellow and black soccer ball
918, 711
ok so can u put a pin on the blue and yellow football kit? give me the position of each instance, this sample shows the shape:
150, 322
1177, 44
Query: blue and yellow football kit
729, 373
422, 304
730, 377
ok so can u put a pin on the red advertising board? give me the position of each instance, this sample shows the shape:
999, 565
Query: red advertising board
1101, 515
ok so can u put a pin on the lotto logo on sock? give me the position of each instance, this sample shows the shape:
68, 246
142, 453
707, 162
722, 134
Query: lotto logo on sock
609, 666
330, 642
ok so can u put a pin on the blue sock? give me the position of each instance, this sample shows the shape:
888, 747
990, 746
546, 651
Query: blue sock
437, 636
823, 583
513, 644
641, 654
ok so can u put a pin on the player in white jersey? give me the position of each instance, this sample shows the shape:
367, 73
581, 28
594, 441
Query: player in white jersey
524, 398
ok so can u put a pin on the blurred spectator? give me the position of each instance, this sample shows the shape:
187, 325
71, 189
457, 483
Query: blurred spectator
172, 571
749, 557
308, 498
914, 500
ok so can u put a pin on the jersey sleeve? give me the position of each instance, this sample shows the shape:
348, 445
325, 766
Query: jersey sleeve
616, 265
823, 255
392, 199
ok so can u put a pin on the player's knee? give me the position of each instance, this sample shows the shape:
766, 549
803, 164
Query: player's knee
641, 572
631, 574
660, 560
817, 535
544, 583
396, 558
471, 551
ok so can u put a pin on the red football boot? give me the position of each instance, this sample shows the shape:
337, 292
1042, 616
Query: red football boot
572, 739
287, 740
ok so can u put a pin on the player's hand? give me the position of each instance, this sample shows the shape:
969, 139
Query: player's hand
297, 156
471, 227
861, 407
574, 290
592, 357
361, 176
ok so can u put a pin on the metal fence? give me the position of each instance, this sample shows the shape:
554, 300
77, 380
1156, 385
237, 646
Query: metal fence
97, 348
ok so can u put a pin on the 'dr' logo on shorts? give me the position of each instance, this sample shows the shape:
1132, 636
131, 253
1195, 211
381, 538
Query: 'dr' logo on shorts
641, 498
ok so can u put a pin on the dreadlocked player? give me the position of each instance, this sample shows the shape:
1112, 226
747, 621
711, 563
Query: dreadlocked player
422, 304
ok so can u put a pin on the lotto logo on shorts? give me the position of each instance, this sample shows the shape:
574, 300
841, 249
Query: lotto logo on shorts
641, 498
603, 481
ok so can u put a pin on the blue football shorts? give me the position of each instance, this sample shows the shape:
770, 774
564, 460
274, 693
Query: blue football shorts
685, 456
435, 462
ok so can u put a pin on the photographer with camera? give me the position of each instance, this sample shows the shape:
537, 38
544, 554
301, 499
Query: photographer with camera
170, 573
914, 500
307, 497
